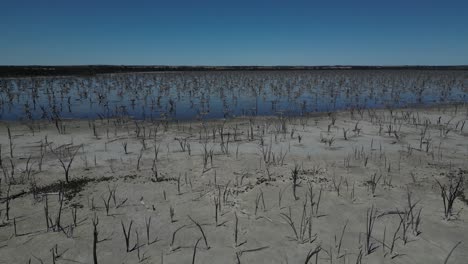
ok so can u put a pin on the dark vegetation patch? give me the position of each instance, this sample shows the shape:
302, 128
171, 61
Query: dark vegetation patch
130, 177
69, 189
163, 179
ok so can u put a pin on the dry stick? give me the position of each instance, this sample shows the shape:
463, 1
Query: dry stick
216, 210
345, 132
280, 196
394, 236
201, 230
359, 257
383, 240
154, 168
295, 174
124, 145
139, 159
11, 142
310, 230
341, 238
417, 223
290, 222
28, 168
95, 238
127, 234
12, 169
195, 250
337, 186
313, 252
318, 201
252, 250
14, 226
374, 181
107, 203
219, 197
174, 234
46, 212
38, 259
370, 221
238, 253
171, 212
178, 185
148, 225
59, 215
74, 211
54, 254
306, 222
257, 201
156, 151
451, 251
225, 193
137, 246
236, 229
263, 200
8, 202
310, 193
112, 193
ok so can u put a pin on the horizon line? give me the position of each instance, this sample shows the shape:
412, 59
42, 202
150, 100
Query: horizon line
238, 65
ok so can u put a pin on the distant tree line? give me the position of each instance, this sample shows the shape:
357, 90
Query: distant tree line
24, 71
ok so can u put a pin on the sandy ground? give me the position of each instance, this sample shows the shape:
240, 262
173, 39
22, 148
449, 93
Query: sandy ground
387, 156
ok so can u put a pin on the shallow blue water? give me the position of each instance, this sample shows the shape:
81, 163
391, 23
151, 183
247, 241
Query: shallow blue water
189, 95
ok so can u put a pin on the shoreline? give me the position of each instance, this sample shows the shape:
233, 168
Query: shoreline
414, 107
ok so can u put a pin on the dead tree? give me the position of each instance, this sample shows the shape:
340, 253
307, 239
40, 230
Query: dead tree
65, 157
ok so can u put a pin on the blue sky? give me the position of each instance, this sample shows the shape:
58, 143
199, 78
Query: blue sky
359, 32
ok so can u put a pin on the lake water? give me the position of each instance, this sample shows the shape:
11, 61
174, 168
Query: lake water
190, 95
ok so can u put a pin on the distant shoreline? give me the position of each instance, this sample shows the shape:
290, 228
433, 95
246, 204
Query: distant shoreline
30, 71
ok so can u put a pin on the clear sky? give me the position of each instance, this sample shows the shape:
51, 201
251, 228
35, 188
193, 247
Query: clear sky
242, 32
